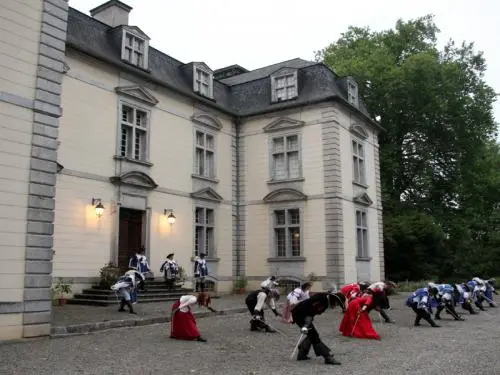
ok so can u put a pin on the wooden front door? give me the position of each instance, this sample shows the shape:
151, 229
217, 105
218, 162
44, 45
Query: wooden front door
130, 235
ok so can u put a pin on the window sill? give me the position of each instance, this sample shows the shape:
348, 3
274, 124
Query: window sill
141, 162
205, 96
286, 259
284, 100
284, 181
360, 184
208, 259
363, 259
211, 179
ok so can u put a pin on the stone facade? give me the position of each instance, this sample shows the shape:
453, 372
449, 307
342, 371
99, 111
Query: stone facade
33, 48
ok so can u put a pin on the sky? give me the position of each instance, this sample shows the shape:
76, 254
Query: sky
262, 32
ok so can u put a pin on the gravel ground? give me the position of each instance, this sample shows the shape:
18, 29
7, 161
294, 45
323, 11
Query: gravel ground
77, 314
471, 347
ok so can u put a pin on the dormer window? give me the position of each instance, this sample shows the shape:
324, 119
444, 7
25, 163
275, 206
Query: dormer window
135, 49
284, 85
203, 81
352, 93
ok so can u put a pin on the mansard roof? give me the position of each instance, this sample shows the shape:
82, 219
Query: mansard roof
244, 94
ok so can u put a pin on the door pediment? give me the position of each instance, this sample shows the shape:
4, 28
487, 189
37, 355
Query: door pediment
136, 179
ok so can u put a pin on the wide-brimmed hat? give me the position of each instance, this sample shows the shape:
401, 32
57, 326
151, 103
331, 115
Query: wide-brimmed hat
170, 255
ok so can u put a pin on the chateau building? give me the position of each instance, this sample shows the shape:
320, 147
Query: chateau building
110, 145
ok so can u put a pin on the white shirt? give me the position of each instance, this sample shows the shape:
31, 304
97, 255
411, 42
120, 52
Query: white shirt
186, 301
297, 295
262, 298
268, 283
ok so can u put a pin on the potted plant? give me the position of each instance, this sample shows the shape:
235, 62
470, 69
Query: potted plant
109, 274
240, 284
60, 291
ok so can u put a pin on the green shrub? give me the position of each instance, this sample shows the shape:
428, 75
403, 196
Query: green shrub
109, 275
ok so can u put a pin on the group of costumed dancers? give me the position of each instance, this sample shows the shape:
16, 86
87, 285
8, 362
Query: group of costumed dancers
356, 301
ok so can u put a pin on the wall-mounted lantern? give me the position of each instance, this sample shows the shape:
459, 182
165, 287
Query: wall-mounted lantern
99, 208
169, 213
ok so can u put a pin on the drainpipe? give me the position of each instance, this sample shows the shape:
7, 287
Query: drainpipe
238, 197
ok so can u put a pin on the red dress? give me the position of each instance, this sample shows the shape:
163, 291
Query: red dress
364, 328
350, 290
183, 325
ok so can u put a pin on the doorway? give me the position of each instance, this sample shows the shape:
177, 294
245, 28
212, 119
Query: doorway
130, 235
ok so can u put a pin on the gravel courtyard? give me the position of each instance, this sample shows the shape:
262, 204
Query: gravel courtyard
471, 347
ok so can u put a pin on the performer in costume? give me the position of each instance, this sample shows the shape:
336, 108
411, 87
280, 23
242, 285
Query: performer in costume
293, 298
478, 289
444, 300
303, 315
133, 262
269, 283
382, 288
356, 321
170, 269
419, 302
200, 272
255, 302
183, 324
125, 288
463, 297
204, 300
350, 291
138, 283
490, 290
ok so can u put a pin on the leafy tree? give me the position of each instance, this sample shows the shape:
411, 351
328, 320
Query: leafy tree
439, 165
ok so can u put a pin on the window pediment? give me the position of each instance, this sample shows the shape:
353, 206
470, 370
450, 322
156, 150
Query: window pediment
136, 179
207, 194
138, 93
207, 120
359, 130
363, 199
284, 195
283, 123
202, 66
283, 71
136, 31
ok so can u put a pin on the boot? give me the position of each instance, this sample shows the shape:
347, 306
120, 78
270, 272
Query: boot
269, 329
253, 325
321, 349
130, 308
303, 350
431, 322
417, 321
479, 305
386, 317
122, 306
437, 316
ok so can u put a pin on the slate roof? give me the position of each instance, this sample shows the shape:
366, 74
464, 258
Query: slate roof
245, 94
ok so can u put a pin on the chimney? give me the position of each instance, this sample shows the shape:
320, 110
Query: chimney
113, 13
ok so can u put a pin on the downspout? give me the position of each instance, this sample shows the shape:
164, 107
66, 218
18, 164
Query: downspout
238, 196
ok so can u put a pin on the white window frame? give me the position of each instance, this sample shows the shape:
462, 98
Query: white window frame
272, 153
130, 154
352, 93
275, 88
359, 161
126, 47
286, 227
210, 250
362, 233
205, 149
197, 82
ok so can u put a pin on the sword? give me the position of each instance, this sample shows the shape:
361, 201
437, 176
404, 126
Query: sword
355, 323
297, 346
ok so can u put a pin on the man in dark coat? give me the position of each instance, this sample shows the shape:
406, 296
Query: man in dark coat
303, 315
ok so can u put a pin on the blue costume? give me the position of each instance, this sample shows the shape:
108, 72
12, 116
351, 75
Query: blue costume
420, 302
200, 272
444, 299
464, 297
490, 290
478, 290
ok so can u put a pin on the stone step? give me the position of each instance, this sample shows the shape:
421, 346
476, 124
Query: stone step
114, 297
148, 290
107, 302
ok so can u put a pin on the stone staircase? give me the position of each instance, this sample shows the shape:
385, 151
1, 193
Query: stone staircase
156, 291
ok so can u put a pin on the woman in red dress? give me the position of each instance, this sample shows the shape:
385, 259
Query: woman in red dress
356, 321
183, 323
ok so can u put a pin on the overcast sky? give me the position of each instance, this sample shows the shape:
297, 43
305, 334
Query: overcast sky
259, 33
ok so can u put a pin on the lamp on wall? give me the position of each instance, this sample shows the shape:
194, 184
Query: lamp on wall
99, 208
169, 213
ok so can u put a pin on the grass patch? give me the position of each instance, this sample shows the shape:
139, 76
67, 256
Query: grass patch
410, 286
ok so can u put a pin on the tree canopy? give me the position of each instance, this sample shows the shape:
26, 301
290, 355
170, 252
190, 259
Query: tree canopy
440, 163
